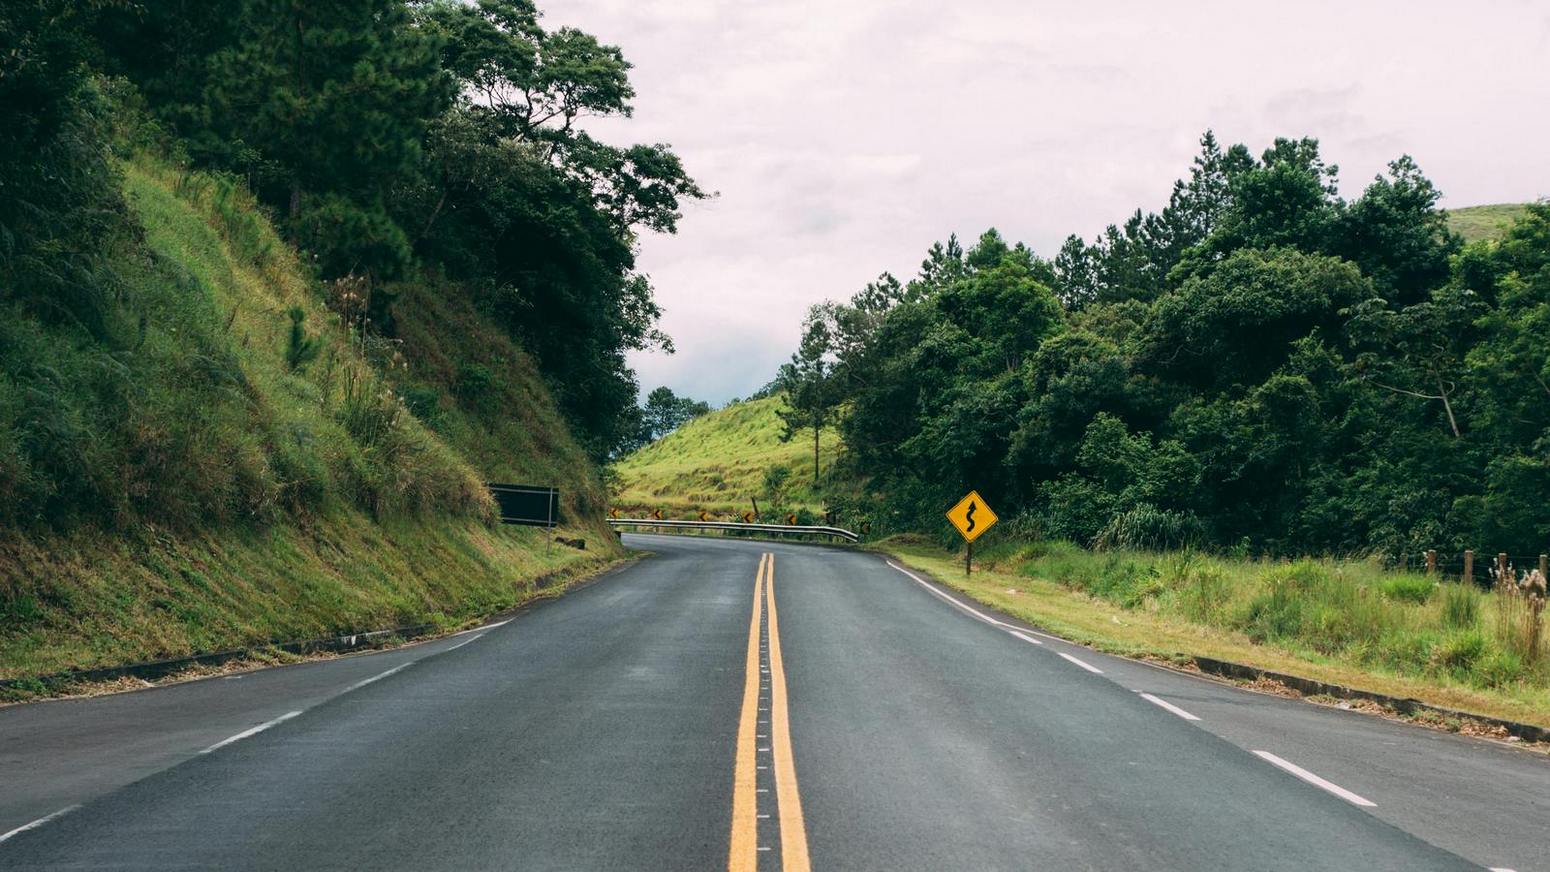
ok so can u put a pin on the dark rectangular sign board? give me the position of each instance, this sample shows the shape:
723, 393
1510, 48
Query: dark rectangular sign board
527, 504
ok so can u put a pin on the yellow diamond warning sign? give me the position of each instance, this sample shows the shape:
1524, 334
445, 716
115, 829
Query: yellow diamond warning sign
971, 516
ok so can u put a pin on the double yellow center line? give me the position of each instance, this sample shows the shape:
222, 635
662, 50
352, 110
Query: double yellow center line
774, 757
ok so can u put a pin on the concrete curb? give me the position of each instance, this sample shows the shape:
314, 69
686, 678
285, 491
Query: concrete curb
1403, 705
154, 669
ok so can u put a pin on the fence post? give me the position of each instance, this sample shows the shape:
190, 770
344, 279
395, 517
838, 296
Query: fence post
1501, 565
1469, 566
1431, 561
1544, 566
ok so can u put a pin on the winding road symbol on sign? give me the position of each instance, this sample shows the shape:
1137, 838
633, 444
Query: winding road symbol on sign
971, 516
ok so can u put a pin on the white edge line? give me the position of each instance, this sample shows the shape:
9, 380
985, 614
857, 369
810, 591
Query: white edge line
949, 600
1314, 780
1501, 869
482, 628
976, 613
38, 823
1082, 663
1025, 637
460, 644
381, 675
252, 732
1170, 707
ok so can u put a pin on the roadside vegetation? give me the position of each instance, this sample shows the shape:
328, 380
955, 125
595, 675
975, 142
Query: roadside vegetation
281, 289
724, 462
1347, 622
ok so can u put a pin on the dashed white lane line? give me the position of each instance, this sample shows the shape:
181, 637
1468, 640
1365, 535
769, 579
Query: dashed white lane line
1025, 637
38, 823
1085, 665
252, 732
462, 643
381, 675
1169, 706
1314, 780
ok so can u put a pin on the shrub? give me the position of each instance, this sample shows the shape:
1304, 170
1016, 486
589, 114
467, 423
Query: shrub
300, 348
1459, 651
475, 385
1408, 588
424, 402
1498, 669
1460, 607
1148, 528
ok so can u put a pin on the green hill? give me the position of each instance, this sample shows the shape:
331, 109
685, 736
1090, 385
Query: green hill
229, 462
719, 463
1483, 222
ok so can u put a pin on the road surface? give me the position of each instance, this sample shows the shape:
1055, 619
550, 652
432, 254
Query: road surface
744, 705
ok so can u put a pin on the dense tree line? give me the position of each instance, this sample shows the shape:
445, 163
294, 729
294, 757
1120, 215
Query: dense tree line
1261, 365
420, 140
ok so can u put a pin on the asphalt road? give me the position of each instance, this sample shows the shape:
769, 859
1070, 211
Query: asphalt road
712, 707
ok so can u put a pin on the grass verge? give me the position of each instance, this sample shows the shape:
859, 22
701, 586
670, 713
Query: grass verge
1341, 623
80, 602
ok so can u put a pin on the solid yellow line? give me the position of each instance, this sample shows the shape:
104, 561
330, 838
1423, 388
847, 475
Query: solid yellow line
793, 831
743, 856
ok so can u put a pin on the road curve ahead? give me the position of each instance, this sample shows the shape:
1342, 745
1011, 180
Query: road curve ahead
732, 705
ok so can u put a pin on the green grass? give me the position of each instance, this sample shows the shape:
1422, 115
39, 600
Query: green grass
217, 473
1483, 222
80, 601
718, 462
1346, 622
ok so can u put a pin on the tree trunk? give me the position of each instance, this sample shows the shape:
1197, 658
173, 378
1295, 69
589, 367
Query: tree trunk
815, 455
1447, 406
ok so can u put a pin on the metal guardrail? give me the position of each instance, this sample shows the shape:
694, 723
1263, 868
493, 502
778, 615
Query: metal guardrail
836, 532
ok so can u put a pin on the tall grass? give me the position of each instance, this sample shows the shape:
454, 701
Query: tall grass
1348, 610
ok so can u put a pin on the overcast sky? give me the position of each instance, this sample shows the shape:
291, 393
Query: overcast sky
845, 136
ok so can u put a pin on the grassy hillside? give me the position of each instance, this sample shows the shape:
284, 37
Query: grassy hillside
232, 463
1483, 222
719, 462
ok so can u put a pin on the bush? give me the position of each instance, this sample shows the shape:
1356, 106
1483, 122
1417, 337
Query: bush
1460, 607
475, 382
1148, 528
1459, 651
1499, 669
424, 402
1408, 588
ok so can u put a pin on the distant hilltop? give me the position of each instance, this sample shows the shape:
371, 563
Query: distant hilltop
1483, 222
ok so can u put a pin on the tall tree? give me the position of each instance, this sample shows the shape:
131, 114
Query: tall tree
807, 381
327, 104
664, 411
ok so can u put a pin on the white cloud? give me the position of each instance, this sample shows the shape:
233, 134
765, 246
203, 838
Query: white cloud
845, 137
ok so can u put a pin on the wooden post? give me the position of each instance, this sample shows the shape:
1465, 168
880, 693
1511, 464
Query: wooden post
1544, 566
1431, 561
968, 559
1501, 566
1469, 566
